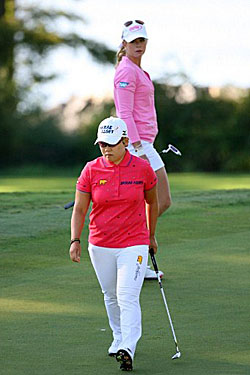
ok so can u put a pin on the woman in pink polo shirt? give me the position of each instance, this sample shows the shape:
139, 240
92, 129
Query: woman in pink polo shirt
134, 102
123, 218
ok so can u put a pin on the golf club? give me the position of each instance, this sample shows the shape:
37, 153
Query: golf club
170, 148
69, 205
178, 353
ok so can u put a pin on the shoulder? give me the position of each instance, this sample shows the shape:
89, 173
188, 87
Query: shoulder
125, 68
141, 163
96, 162
146, 172
93, 164
144, 166
125, 63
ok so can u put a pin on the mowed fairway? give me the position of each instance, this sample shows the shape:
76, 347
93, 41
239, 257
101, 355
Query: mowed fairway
52, 317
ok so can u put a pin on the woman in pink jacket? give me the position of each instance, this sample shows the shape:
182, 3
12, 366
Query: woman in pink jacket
134, 101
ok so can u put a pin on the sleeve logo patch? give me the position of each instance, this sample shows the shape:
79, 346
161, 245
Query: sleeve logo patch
123, 84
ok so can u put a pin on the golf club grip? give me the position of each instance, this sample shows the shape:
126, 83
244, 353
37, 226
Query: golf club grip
68, 205
151, 252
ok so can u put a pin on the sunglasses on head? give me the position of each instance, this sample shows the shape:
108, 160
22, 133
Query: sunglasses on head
104, 144
128, 23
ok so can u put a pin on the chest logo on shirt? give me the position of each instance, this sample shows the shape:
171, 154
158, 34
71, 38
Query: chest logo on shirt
123, 84
131, 182
102, 182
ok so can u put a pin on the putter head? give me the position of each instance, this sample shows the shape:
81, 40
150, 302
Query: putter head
177, 355
174, 149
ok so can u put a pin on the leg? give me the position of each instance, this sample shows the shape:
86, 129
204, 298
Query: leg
164, 201
163, 189
105, 266
131, 264
164, 196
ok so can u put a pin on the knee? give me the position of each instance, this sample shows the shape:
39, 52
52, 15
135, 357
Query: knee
110, 296
127, 298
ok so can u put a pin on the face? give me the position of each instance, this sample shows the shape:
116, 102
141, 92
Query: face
115, 153
136, 48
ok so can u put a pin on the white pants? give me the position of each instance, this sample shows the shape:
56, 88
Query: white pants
120, 273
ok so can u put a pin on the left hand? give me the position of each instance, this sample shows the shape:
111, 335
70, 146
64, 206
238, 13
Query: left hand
75, 252
153, 244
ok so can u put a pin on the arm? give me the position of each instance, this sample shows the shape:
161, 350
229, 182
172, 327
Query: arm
124, 100
124, 95
81, 206
124, 106
152, 214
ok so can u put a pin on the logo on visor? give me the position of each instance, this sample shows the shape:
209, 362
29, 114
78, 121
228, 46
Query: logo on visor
106, 129
135, 28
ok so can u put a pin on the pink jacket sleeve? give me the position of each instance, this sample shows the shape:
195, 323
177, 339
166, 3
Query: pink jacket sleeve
124, 91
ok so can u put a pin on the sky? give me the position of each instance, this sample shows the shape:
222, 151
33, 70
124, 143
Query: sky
209, 41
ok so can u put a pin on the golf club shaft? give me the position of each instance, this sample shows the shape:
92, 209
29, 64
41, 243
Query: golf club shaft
163, 296
169, 317
69, 205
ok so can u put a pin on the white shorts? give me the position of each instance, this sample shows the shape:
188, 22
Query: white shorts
151, 153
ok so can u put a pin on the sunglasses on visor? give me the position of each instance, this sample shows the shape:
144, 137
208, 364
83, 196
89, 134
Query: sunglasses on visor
128, 23
104, 144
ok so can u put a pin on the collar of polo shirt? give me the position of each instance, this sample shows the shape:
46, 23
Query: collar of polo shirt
124, 163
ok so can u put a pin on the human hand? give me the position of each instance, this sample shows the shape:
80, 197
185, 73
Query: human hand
153, 244
144, 157
139, 150
75, 252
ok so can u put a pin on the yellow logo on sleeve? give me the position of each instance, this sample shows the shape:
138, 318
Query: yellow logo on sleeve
102, 182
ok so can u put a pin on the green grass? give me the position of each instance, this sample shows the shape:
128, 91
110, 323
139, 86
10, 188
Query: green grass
52, 317
179, 182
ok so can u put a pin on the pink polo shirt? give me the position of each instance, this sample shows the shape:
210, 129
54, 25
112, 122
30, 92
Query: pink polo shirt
118, 217
134, 101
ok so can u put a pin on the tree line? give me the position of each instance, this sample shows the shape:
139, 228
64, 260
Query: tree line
212, 133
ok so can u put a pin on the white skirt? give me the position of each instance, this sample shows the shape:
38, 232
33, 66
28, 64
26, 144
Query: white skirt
151, 153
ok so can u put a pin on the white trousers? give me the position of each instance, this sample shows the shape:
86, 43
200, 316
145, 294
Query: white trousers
120, 273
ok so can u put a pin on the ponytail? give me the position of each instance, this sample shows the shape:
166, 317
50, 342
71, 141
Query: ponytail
120, 54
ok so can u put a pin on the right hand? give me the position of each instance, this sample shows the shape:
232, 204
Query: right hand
153, 244
145, 157
75, 252
138, 144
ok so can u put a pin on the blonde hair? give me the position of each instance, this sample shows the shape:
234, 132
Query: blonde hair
120, 54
